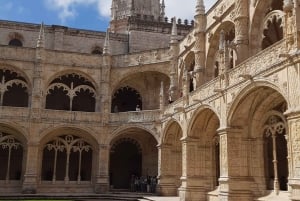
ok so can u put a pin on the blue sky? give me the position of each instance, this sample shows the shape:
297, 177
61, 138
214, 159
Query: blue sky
83, 14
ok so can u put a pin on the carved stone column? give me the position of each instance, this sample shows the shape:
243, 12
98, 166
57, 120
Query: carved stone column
199, 47
102, 175
31, 171
241, 22
235, 183
293, 120
193, 181
166, 179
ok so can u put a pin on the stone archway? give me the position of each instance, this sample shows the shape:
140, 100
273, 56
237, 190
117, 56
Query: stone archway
202, 167
170, 160
253, 118
133, 155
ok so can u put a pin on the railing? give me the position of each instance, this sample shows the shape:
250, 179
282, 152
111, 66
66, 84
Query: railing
135, 116
142, 58
17, 53
70, 116
7, 112
258, 63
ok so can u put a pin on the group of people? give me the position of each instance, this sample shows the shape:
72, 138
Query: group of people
145, 184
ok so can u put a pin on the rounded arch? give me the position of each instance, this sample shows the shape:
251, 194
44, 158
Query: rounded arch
85, 133
19, 72
120, 131
247, 90
167, 127
147, 84
16, 130
130, 73
198, 112
229, 29
71, 71
15, 39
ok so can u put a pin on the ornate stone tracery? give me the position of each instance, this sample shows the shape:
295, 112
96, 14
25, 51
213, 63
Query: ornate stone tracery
8, 143
67, 144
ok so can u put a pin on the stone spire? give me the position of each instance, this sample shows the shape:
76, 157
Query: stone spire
41, 38
162, 10
200, 8
106, 47
174, 37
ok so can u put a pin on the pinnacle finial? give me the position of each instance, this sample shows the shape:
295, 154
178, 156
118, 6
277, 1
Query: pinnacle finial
200, 8
174, 27
106, 47
162, 9
288, 5
41, 38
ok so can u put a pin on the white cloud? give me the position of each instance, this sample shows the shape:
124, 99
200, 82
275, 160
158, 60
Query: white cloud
184, 10
67, 8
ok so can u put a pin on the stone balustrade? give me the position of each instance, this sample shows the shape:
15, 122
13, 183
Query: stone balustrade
135, 116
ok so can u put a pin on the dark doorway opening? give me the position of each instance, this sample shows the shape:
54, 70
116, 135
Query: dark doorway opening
125, 161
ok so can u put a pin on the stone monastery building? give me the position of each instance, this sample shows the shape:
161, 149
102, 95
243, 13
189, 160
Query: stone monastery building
218, 98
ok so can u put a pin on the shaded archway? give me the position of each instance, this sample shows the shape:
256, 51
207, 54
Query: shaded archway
266, 26
259, 108
125, 162
143, 88
126, 99
133, 155
213, 61
71, 92
203, 131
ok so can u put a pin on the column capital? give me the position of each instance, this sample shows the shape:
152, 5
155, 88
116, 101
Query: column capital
293, 113
189, 139
226, 130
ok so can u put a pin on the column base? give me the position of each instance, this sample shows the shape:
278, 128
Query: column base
295, 189
236, 189
192, 194
102, 185
29, 184
167, 190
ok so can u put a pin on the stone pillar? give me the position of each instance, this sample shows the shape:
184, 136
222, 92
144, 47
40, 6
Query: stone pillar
293, 120
193, 179
241, 22
31, 171
102, 175
235, 183
166, 181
